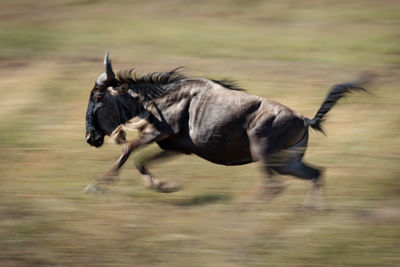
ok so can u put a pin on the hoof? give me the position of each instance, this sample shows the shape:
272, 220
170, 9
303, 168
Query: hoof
315, 206
276, 187
167, 187
91, 188
272, 189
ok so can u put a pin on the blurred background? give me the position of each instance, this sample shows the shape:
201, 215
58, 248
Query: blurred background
51, 52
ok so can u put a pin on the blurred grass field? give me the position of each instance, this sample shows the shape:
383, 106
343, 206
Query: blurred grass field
50, 55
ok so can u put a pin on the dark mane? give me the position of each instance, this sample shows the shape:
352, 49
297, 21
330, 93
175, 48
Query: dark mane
230, 84
151, 85
155, 84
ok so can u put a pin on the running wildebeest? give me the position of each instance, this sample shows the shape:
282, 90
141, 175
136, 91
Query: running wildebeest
213, 119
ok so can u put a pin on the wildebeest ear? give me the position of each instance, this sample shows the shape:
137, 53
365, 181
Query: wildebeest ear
120, 89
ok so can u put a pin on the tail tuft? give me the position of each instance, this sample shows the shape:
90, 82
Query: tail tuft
337, 92
314, 124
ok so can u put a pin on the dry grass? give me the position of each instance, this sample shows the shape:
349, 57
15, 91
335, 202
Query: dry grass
51, 53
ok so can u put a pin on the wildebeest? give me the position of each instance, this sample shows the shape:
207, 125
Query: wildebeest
213, 119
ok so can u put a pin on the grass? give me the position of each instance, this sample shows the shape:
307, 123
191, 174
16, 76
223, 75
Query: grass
51, 53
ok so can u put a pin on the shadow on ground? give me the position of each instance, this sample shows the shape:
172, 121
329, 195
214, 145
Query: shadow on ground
200, 200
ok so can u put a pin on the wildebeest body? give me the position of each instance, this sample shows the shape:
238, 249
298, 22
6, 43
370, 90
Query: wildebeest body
212, 119
216, 123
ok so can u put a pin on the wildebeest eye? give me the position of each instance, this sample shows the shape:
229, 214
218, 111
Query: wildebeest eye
97, 95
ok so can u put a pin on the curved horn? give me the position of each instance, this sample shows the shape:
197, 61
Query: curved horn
109, 71
101, 79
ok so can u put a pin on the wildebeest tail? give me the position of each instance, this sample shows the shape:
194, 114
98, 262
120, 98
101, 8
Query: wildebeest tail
337, 92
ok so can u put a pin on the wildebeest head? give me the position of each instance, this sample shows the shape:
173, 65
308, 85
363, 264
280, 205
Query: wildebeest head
116, 99
104, 112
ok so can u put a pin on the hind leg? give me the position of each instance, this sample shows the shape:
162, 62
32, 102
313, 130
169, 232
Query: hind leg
301, 170
274, 184
260, 151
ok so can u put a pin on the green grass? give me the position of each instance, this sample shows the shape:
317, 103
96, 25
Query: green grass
50, 55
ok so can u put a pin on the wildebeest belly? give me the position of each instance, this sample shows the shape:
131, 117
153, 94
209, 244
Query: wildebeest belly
224, 149
222, 142
220, 149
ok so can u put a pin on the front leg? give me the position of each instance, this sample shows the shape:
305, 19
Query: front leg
100, 183
149, 180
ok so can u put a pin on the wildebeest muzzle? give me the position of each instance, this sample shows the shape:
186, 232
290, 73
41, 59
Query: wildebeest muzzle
94, 138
